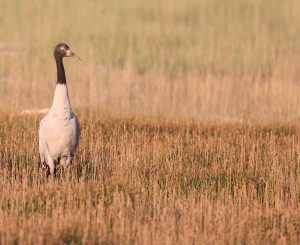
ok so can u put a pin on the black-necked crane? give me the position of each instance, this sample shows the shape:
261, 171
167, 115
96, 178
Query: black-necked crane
59, 130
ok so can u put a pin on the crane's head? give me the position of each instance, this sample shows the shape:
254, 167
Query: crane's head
63, 50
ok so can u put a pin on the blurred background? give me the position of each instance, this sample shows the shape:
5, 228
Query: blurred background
219, 60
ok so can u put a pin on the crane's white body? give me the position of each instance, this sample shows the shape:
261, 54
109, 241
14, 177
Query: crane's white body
59, 132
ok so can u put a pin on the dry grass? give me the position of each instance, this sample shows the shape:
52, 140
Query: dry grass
212, 59
139, 180
149, 181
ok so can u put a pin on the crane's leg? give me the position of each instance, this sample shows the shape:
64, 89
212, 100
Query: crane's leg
43, 164
66, 161
52, 167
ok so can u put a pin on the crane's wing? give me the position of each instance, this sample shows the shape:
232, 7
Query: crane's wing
58, 135
46, 160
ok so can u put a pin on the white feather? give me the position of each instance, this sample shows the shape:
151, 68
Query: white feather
34, 111
59, 131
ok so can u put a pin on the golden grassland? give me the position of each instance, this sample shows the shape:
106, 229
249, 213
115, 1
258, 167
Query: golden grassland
153, 181
234, 60
230, 176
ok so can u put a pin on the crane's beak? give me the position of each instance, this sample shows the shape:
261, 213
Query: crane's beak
69, 53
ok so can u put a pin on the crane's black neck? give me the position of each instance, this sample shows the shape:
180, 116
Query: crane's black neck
61, 77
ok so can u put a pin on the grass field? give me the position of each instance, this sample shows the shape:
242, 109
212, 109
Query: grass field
148, 181
189, 113
237, 60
